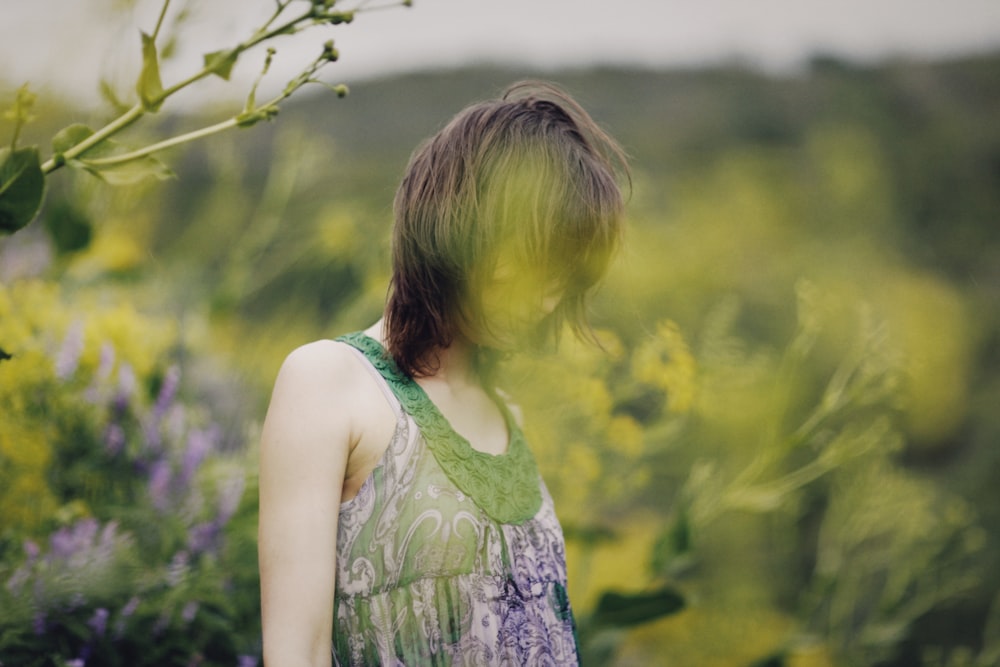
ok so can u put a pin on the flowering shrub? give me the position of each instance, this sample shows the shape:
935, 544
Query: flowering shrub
118, 493
719, 439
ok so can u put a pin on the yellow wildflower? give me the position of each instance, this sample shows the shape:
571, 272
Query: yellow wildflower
665, 361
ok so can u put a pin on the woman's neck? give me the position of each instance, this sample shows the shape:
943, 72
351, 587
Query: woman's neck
454, 365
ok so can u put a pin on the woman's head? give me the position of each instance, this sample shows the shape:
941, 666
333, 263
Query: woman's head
504, 221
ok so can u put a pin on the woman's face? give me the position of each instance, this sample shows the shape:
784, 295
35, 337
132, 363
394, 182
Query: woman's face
514, 302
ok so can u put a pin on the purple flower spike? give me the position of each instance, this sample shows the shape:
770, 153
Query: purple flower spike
99, 621
130, 606
190, 611
98, 389
74, 540
69, 353
114, 439
247, 661
199, 443
107, 361
159, 484
168, 390
123, 615
204, 537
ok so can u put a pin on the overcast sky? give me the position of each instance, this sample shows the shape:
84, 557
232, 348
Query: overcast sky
70, 44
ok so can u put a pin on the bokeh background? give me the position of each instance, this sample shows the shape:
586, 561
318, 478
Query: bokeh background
787, 452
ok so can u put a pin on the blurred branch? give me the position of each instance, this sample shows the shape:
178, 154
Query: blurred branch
22, 177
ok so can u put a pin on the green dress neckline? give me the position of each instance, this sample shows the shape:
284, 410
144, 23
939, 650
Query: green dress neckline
505, 486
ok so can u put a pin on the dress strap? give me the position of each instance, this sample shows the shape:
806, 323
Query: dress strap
390, 397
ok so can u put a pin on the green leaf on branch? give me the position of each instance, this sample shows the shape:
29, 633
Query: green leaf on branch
22, 187
221, 63
627, 609
673, 551
126, 172
149, 87
130, 172
70, 136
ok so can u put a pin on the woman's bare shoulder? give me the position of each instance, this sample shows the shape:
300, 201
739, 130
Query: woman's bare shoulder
315, 391
319, 356
323, 364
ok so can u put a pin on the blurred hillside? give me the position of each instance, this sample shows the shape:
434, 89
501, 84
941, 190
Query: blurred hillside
934, 126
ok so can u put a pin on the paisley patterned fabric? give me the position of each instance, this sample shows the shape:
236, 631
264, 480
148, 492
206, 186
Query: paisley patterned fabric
427, 574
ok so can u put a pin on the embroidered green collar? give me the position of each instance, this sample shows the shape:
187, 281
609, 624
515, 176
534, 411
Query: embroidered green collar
507, 486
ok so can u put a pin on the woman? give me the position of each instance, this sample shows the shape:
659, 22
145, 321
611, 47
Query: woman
402, 519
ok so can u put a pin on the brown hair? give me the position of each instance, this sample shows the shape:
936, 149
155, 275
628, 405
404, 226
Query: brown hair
529, 172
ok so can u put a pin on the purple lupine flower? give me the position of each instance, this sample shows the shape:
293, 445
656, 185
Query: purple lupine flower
130, 606
246, 661
99, 621
114, 439
123, 616
70, 541
107, 361
105, 365
159, 484
168, 390
190, 611
39, 624
76, 662
68, 358
31, 550
199, 443
204, 536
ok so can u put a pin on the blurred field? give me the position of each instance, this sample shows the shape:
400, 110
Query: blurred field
793, 425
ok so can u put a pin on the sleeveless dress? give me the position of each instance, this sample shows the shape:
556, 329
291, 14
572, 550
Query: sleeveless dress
448, 555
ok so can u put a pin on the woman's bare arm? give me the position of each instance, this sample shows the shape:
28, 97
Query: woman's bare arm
306, 440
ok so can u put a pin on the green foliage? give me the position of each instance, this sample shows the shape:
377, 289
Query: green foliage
617, 609
22, 172
69, 227
100, 160
149, 87
22, 187
121, 557
220, 63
